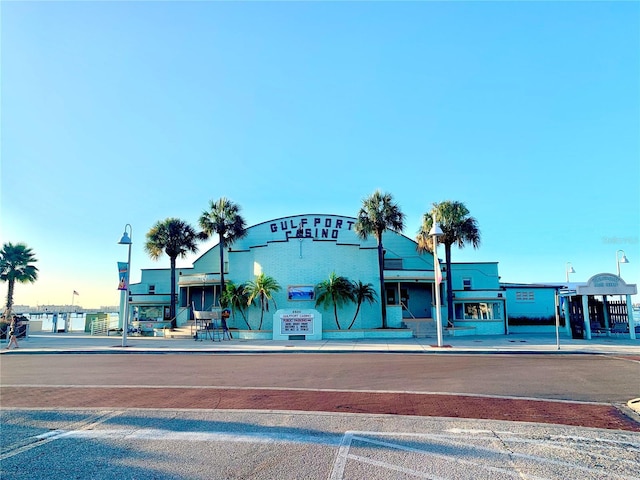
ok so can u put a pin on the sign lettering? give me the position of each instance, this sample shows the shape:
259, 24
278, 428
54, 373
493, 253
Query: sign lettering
327, 228
296, 322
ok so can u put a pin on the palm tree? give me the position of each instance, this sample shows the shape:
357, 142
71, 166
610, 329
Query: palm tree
334, 291
223, 218
362, 293
458, 228
16, 265
378, 214
262, 288
176, 238
237, 297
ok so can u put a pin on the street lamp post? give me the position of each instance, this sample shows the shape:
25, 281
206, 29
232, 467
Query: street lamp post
73, 297
126, 240
435, 232
569, 269
619, 260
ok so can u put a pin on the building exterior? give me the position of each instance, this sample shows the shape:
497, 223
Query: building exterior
602, 306
479, 303
534, 308
301, 251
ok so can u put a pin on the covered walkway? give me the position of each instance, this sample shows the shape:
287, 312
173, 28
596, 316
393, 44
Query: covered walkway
601, 307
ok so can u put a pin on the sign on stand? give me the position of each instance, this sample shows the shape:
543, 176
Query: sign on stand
297, 324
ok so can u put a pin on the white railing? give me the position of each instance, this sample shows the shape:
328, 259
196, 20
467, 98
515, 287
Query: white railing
102, 326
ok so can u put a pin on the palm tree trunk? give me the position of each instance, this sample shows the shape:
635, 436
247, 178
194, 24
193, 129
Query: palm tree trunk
221, 266
245, 319
11, 286
447, 253
261, 313
383, 294
355, 316
172, 308
335, 312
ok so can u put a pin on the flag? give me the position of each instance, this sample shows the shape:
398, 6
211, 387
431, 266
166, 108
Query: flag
123, 275
75, 293
438, 272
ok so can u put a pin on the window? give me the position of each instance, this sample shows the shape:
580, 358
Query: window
150, 313
391, 296
393, 264
152, 289
525, 296
478, 310
300, 292
466, 283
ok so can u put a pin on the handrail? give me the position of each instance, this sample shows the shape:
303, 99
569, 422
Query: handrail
407, 309
175, 317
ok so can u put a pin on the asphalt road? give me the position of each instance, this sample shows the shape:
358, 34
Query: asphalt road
291, 416
592, 378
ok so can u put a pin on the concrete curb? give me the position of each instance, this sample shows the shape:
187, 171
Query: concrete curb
205, 351
72, 343
634, 404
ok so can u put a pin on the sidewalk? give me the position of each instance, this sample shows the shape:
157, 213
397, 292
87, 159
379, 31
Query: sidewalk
43, 342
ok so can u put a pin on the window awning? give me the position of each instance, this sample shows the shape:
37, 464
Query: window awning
198, 279
418, 276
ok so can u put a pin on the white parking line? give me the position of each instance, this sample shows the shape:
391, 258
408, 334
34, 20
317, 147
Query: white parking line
467, 439
43, 439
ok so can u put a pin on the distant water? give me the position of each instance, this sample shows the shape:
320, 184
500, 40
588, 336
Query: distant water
77, 321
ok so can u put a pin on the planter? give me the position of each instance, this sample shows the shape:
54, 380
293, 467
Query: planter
252, 334
460, 331
367, 333
534, 329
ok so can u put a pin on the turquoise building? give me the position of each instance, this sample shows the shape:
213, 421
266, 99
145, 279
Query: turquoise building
301, 251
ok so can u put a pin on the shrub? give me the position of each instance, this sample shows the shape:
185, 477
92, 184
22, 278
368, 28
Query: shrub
550, 320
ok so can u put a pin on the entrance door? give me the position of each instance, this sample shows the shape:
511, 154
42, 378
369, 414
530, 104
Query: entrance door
576, 317
596, 314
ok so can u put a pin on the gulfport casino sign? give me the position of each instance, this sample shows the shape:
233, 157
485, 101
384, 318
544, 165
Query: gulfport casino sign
315, 226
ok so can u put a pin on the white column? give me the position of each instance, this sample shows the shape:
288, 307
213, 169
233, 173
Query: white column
605, 312
632, 325
557, 305
585, 315
567, 316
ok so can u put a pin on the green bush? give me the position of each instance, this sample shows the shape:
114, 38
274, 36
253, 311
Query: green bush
550, 320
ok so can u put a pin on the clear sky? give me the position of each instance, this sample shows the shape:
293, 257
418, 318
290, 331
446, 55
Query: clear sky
131, 112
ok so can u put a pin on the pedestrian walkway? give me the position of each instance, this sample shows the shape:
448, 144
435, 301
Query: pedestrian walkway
42, 342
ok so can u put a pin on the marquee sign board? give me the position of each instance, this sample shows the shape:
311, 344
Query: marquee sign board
297, 323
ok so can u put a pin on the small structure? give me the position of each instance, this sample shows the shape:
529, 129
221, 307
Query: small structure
590, 309
209, 324
533, 308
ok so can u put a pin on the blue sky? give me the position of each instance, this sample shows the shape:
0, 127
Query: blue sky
132, 112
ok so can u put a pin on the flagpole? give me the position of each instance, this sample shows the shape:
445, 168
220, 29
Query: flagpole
435, 233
